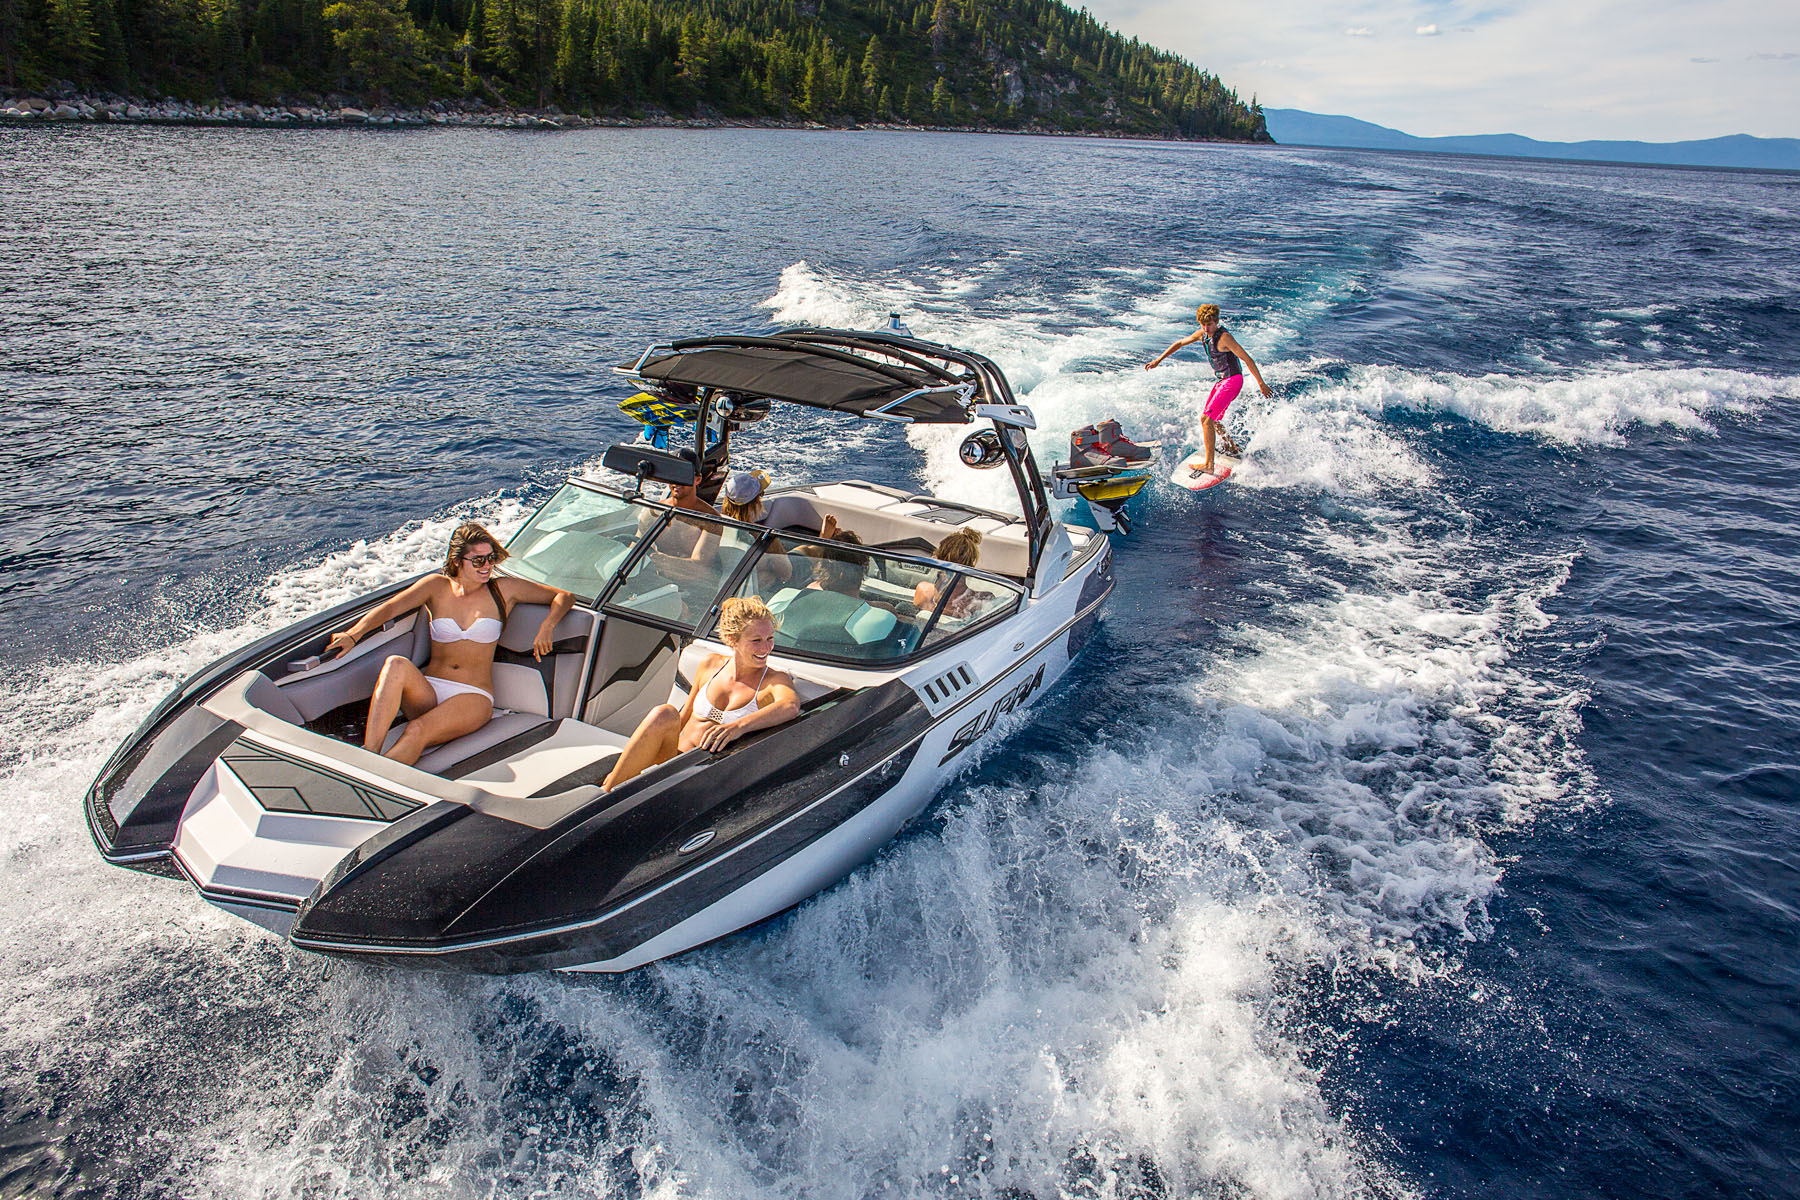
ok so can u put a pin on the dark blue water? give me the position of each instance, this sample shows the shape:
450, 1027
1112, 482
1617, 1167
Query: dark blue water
1422, 821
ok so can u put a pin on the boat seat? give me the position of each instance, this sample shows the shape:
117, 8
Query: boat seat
443, 760
828, 620
271, 699
551, 758
528, 691
911, 545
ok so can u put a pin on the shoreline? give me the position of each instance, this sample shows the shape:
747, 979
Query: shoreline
27, 110
111, 110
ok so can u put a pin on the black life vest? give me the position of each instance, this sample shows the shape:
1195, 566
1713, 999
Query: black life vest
1224, 363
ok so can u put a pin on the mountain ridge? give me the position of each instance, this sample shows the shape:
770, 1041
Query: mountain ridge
1296, 127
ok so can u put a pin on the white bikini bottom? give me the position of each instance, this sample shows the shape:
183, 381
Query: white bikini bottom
446, 688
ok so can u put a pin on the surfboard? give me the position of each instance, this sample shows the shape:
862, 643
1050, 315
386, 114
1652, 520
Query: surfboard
659, 412
1189, 475
664, 420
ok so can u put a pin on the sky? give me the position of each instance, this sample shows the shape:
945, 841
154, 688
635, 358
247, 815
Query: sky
1556, 70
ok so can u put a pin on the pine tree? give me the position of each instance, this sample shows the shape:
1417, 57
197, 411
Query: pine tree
112, 61
500, 35
873, 65
942, 30
848, 94
69, 36
812, 87
379, 41
12, 23
540, 22
696, 52
574, 62
469, 45
228, 45
603, 57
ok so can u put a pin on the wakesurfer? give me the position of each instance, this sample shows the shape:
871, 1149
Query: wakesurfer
1227, 353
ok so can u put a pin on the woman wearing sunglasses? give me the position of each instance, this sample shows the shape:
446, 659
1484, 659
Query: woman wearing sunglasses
454, 694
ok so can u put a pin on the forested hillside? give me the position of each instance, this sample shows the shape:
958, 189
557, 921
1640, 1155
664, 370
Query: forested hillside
1032, 64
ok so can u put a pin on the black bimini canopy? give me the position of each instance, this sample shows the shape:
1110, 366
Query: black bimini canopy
822, 369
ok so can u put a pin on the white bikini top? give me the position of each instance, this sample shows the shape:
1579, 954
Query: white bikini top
485, 630
721, 716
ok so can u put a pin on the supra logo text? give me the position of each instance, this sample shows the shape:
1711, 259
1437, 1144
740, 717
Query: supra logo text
980, 724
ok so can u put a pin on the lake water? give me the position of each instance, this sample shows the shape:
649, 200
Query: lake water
1422, 821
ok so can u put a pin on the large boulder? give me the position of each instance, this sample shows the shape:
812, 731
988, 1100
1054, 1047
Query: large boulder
352, 114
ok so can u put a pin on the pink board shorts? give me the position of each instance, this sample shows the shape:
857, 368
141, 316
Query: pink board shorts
1221, 396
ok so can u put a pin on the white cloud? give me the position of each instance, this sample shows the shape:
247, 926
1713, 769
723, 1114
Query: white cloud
1789, 56
1359, 31
1561, 70
1427, 31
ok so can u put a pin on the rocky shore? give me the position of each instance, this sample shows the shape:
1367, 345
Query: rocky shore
126, 110
132, 110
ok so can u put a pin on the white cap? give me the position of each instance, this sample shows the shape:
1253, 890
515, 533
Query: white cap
742, 487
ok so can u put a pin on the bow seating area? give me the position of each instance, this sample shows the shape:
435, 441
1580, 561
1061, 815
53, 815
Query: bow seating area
533, 740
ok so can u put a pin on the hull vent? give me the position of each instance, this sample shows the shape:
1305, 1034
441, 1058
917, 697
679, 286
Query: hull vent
944, 689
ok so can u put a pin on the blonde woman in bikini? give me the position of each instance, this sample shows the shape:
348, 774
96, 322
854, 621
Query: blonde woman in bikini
733, 694
1225, 353
454, 694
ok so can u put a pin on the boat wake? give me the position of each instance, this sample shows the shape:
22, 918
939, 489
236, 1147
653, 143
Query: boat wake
1079, 359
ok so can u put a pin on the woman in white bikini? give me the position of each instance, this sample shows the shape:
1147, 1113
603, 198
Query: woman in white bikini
732, 695
454, 694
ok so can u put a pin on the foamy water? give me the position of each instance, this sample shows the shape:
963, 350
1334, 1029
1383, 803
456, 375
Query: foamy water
1081, 359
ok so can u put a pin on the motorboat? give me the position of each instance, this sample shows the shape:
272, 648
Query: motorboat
500, 851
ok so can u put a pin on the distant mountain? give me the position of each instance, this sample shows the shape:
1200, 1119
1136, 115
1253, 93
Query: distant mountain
1295, 128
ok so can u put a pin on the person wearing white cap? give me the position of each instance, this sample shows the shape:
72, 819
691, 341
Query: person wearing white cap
741, 498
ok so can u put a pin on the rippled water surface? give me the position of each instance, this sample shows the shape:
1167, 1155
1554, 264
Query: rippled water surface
1422, 822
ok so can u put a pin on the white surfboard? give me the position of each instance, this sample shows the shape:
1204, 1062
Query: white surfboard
1190, 476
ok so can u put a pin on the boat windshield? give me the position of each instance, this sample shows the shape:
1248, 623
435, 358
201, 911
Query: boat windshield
832, 600
680, 576
578, 540
847, 602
